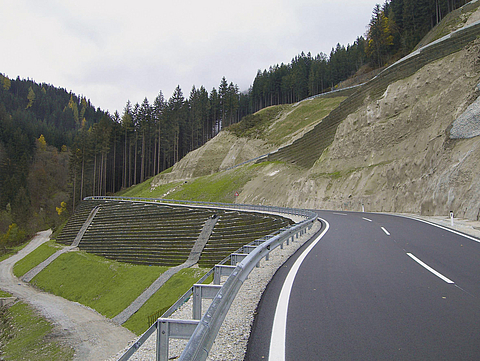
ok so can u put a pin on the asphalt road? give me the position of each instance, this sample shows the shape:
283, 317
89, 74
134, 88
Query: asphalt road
374, 287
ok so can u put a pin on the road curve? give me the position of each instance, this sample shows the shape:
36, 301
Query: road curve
93, 336
377, 287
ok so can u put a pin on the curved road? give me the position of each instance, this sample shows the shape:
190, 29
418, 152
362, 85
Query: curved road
374, 287
93, 336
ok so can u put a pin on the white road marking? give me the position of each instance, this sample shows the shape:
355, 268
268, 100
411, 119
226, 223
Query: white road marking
438, 274
279, 329
340, 214
386, 232
369, 220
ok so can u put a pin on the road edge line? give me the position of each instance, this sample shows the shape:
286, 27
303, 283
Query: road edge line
279, 328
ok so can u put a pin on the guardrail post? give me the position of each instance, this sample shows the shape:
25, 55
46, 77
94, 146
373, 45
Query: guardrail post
169, 328
248, 248
221, 270
237, 257
201, 292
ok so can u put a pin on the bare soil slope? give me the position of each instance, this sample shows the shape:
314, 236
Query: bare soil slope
393, 153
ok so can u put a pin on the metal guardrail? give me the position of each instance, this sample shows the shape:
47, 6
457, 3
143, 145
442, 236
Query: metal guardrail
202, 334
205, 333
236, 206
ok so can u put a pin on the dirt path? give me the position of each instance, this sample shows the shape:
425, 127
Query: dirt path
93, 336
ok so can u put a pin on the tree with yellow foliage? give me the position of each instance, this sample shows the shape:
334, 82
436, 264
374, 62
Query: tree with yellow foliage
379, 36
6, 82
30, 97
42, 143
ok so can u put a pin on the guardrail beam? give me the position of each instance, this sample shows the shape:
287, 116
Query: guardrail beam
258, 242
201, 334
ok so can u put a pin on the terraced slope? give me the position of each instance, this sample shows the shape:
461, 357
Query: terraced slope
69, 232
161, 234
308, 149
235, 229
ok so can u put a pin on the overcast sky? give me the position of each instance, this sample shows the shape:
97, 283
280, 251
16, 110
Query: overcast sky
114, 51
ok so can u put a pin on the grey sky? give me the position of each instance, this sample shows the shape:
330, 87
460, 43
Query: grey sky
114, 51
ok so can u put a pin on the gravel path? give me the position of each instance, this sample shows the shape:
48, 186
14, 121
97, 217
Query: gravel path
93, 336
231, 342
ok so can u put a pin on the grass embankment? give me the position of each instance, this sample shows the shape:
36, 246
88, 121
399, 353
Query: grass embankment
218, 187
35, 258
164, 298
105, 285
27, 336
304, 115
288, 119
255, 125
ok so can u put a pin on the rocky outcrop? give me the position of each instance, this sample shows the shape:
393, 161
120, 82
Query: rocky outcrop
467, 125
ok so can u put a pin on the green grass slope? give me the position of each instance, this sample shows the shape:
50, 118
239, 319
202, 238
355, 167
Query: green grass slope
35, 258
27, 336
218, 187
106, 286
278, 124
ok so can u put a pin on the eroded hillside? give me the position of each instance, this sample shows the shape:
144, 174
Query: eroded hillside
391, 151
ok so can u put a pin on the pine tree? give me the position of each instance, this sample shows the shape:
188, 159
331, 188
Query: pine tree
158, 118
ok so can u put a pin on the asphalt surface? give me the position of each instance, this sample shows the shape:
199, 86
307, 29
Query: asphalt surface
377, 287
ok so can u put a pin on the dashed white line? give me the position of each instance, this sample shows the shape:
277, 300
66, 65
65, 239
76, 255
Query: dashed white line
366, 219
340, 214
386, 232
279, 329
438, 274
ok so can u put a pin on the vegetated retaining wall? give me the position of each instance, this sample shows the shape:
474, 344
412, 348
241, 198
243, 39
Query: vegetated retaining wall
163, 234
308, 149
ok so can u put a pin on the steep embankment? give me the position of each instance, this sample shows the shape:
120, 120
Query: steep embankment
387, 146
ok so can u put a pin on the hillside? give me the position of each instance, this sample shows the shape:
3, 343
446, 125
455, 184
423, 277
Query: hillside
391, 150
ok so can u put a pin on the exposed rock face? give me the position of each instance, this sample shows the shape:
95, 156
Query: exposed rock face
468, 124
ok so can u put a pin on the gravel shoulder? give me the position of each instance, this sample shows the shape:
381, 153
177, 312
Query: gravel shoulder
93, 336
